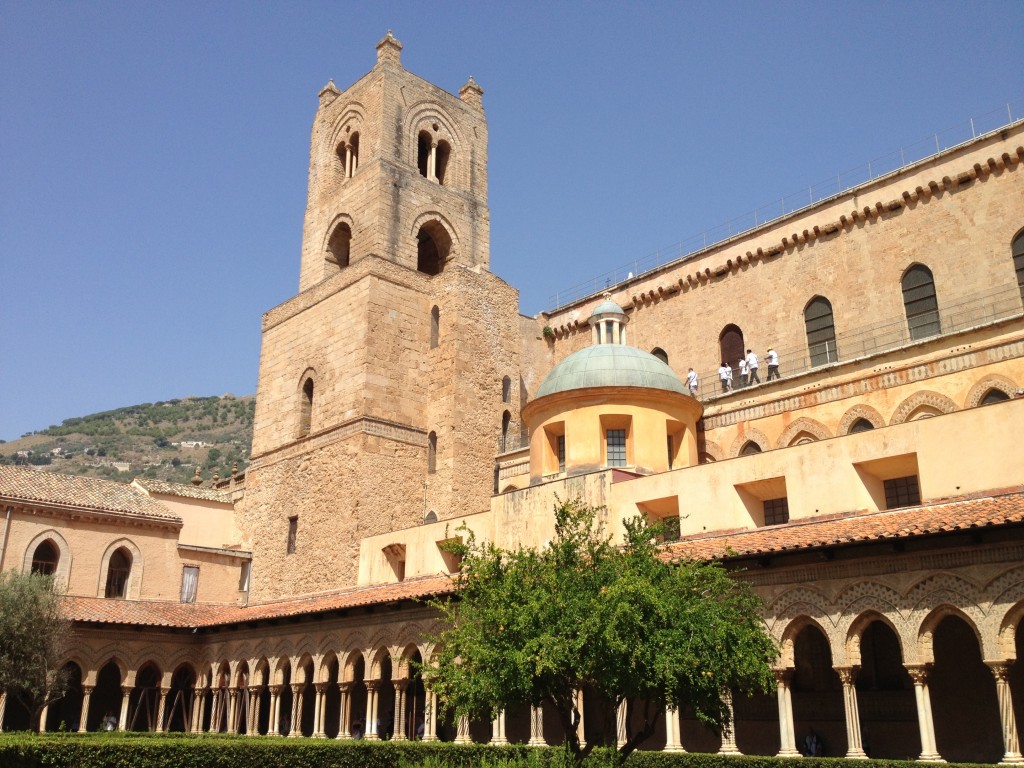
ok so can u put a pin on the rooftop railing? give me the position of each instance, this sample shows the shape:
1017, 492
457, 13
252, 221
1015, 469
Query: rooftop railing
796, 358
786, 205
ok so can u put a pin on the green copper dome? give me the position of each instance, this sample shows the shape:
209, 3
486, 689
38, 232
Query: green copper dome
607, 307
610, 365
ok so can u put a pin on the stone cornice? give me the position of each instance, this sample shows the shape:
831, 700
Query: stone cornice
362, 425
666, 284
72, 512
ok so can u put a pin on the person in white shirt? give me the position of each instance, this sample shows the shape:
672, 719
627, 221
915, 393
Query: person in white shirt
773, 365
752, 365
725, 374
744, 372
691, 380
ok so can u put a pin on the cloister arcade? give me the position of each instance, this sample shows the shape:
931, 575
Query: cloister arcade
869, 679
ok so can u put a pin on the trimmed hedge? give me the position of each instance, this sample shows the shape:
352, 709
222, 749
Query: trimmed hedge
144, 750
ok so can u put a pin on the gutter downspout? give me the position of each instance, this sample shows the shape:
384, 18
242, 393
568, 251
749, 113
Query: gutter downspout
3, 541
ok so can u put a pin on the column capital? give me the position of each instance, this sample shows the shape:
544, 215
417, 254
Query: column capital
275, 689
254, 689
297, 688
784, 676
320, 687
847, 675
345, 686
126, 690
87, 689
372, 685
999, 669
918, 673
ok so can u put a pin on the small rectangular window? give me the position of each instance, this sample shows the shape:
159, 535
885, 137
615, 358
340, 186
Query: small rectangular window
616, 446
776, 511
293, 530
902, 492
189, 583
561, 453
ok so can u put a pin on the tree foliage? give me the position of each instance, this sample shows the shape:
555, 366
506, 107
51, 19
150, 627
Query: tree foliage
534, 626
33, 640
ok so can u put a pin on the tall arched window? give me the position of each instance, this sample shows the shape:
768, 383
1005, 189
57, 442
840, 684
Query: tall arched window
821, 331
1018, 260
432, 247
431, 453
423, 142
920, 303
506, 420
730, 343
45, 558
435, 327
506, 390
306, 408
339, 244
118, 570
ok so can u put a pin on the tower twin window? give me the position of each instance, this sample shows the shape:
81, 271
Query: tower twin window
432, 157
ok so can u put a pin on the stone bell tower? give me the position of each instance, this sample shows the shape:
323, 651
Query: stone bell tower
380, 400
397, 168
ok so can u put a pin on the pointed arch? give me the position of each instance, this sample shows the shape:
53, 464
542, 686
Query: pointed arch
60, 555
985, 386
858, 413
802, 427
922, 405
127, 573
305, 395
747, 436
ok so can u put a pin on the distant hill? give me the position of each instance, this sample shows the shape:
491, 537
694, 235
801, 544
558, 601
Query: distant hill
165, 440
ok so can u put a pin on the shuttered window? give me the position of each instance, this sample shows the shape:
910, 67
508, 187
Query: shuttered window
821, 331
920, 303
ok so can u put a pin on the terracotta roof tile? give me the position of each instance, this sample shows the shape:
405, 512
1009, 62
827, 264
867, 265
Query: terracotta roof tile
170, 614
31, 485
940, 517
182, 490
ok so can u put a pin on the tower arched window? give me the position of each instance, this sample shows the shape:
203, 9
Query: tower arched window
661, 354
1018, 260
730, 343
306, 408
45, 558
431, 453
506, 390
119, 568
435, 327
339, 244
423, 142
348, 155
821, 331
920, 303
433, 245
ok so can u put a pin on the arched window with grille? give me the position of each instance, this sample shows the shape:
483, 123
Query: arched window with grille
45, 558
821, 331
306, 407
920, 303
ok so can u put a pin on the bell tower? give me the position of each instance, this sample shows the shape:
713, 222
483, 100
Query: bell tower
381, 399
397, 168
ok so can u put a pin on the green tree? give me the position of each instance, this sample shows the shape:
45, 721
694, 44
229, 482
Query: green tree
34, 636
533, 627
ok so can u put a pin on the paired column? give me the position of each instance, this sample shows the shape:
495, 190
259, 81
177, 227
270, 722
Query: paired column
729, 731
232, 724
854, 745
274, 726
199, 710
122, 723
536, 726
462, 730
498, 729
673, 735
252, 727
620, 724
42, 717
318, 711
83, 723
432, 162
161, 710
580, 732
787, 731
372, 694
401, 686
1011, 741
345, 713
430, 717
3, 708
919, 674
296, 715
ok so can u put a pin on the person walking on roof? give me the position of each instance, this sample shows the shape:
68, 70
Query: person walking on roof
691, 381
725, 374
752, 365
744, 372
773, 364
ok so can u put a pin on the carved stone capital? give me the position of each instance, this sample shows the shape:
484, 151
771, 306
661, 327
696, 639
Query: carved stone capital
918, 673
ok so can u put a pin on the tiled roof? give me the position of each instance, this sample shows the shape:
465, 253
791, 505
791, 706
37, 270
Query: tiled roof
184, 491
22, 484
940, 517
170, 614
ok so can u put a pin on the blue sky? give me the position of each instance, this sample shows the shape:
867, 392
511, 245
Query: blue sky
153, 156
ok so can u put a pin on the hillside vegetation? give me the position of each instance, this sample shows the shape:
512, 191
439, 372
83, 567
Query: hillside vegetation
165, 440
